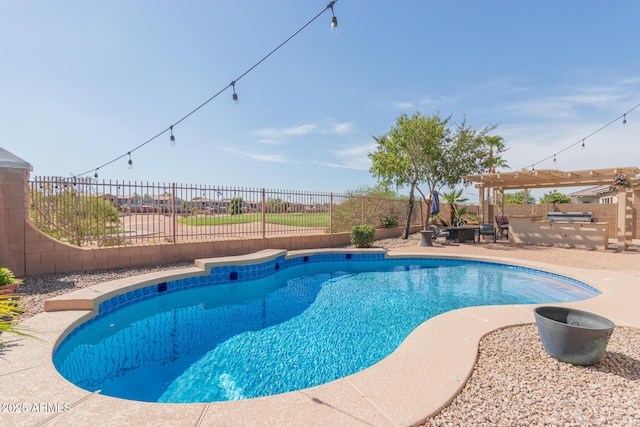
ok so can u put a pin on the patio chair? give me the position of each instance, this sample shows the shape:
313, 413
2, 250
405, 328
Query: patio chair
438, 232
487, 230
502, 222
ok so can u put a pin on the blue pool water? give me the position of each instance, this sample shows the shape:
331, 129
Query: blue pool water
289, 327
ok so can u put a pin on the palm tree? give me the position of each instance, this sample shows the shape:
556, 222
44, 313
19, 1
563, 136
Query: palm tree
454, 199
496, 147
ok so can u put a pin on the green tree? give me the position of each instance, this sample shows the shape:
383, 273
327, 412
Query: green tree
276, 205
236, 206
427, 151
380, 190
555, 197
377, 206
517, 198
72, 214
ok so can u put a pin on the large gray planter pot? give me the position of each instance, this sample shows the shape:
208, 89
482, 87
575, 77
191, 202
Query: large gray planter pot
573, 336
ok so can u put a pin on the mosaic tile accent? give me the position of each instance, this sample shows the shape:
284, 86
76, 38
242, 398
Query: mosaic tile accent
241, 273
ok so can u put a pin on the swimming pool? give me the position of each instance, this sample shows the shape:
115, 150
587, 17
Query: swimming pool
281, 325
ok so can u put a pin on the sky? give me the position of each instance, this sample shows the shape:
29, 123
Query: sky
85, 82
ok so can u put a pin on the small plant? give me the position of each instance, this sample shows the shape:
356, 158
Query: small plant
362, 236
10, 314
389, 221
7, 278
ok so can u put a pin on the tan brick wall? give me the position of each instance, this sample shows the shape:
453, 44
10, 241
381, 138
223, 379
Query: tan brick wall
13, 212
604, 212
46, 255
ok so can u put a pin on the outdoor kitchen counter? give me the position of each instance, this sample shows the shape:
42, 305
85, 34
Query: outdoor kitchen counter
534, 230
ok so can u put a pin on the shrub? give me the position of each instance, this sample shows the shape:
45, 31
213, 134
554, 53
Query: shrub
389, 221
9, 315
362, 236
236, 206
7, 277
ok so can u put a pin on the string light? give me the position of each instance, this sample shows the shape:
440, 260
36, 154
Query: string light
554, 159
234, 96
172, 138
334, 20
582, 141
130, 161
334, 24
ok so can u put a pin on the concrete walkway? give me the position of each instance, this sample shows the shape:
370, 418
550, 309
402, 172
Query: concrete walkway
416, 381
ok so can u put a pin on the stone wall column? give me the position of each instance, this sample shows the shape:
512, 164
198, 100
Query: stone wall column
14, 211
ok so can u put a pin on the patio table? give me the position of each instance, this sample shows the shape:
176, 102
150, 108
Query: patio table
462, 234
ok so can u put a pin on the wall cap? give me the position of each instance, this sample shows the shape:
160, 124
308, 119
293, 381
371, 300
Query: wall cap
11, 161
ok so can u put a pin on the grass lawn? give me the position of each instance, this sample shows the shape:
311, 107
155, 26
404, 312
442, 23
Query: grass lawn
319, 219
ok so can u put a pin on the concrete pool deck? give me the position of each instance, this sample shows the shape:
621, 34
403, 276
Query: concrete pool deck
417, 380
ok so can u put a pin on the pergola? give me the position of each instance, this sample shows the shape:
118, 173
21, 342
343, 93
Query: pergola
550, 178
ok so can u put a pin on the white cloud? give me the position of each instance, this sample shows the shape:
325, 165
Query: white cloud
428, 101
269, 141
403, 105
279, 133
577, 103
270, 158
342, 128
351, 157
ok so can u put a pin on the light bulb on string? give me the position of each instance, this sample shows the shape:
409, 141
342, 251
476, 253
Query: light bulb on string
624, 119
172, 138
554, 159
95, 175
130, 161
234, 96
334, 20
583, 144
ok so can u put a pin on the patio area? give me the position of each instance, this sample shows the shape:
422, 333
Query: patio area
415, 382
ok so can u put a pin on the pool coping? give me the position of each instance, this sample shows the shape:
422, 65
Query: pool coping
410, 385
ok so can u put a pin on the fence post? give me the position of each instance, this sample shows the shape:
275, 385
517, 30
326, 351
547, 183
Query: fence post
331, 213
173, 211
362, 210
263, 213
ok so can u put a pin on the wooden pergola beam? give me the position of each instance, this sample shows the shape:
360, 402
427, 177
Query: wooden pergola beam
550, 178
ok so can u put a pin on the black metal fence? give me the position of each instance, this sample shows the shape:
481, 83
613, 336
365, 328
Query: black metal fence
85, 212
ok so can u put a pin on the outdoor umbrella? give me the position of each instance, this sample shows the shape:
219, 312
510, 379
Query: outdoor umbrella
435, 204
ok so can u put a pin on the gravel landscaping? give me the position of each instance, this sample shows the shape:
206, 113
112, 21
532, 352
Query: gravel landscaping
516, 383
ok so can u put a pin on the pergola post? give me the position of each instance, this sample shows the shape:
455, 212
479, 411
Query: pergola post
500, 201
624, 240
481, 205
